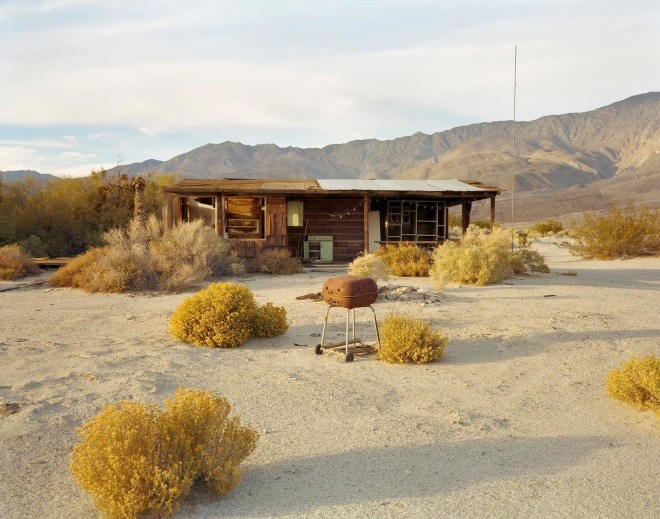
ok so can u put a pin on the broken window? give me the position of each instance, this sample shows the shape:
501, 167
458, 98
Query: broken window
199, 208
244, 217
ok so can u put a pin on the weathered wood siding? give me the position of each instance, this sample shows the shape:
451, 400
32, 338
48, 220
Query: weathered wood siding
341, 218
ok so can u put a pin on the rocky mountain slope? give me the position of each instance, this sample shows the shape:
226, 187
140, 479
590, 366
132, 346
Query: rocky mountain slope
564, 163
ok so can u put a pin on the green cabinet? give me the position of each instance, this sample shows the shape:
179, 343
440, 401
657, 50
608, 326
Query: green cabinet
318, 248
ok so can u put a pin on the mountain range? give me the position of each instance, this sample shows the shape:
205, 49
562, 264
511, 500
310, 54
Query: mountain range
564, 164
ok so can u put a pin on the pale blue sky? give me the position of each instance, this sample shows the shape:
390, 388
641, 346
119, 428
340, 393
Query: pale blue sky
87, 83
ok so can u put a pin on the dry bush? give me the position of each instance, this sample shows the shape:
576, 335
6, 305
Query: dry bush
547, 227
14, 263
110, 269
621, 233
479, 258
406, 339
406, 259
134, 458
528, 260
637, 382
190, 253
269, 321
219, 316
368, 265
277, 261
138, 258
72, 274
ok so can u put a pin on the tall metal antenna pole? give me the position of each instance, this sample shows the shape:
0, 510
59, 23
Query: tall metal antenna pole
513, 143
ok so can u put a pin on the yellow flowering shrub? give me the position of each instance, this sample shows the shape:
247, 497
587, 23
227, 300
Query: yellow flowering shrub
406, 259
134, 458
269, 321
406, 339
637, 382
219, 316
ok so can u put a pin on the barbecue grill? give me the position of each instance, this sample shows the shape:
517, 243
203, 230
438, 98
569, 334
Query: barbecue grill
349, 292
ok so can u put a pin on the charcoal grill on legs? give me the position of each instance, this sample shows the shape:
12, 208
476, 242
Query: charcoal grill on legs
349, 292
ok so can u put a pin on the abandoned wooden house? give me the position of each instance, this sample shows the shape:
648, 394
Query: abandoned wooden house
327, 219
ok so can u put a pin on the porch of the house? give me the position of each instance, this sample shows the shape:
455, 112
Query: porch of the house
321, 228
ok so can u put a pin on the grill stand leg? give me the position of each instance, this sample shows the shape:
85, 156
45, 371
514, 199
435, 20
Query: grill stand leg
375, 325
349, 355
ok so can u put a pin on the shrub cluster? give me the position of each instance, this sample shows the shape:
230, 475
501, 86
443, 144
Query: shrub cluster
406, 339
637, 382
139, 259
478, 258
527, 259
14, 263
269, 321
225, 315
277, 261
66, 216
134, 458
406, 259
369, 265
550, 226
621, 233
482, 258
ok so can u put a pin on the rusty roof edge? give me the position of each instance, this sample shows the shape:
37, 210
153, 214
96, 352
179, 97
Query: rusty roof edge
281, 185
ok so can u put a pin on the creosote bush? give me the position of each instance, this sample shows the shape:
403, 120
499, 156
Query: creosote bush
406, 259
369, 265
478, 258
225, 315
621, 233
406, 339
134, 458
14, 263
550, 226
269, 321
526, 259
637, 382
277, 261
138, 258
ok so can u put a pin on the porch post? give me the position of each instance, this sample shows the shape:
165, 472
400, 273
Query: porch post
465, 220
492, 212
366, 223
219, 209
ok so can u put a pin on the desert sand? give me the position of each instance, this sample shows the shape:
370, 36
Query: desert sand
512, 422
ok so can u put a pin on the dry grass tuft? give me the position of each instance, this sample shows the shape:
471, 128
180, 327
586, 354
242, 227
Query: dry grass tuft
406, 259
621, 233
277, 261
406, 339
134, 458
637, 382
14, 263
369, 265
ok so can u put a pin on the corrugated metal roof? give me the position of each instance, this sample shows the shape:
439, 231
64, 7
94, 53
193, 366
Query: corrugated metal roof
336, 184
201, 186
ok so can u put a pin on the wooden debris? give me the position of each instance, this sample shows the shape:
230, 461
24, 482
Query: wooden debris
314, 296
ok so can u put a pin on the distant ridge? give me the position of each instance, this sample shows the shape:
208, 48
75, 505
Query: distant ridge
564, 163
12, 176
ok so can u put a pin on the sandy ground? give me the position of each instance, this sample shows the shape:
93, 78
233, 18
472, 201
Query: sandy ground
512, 422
